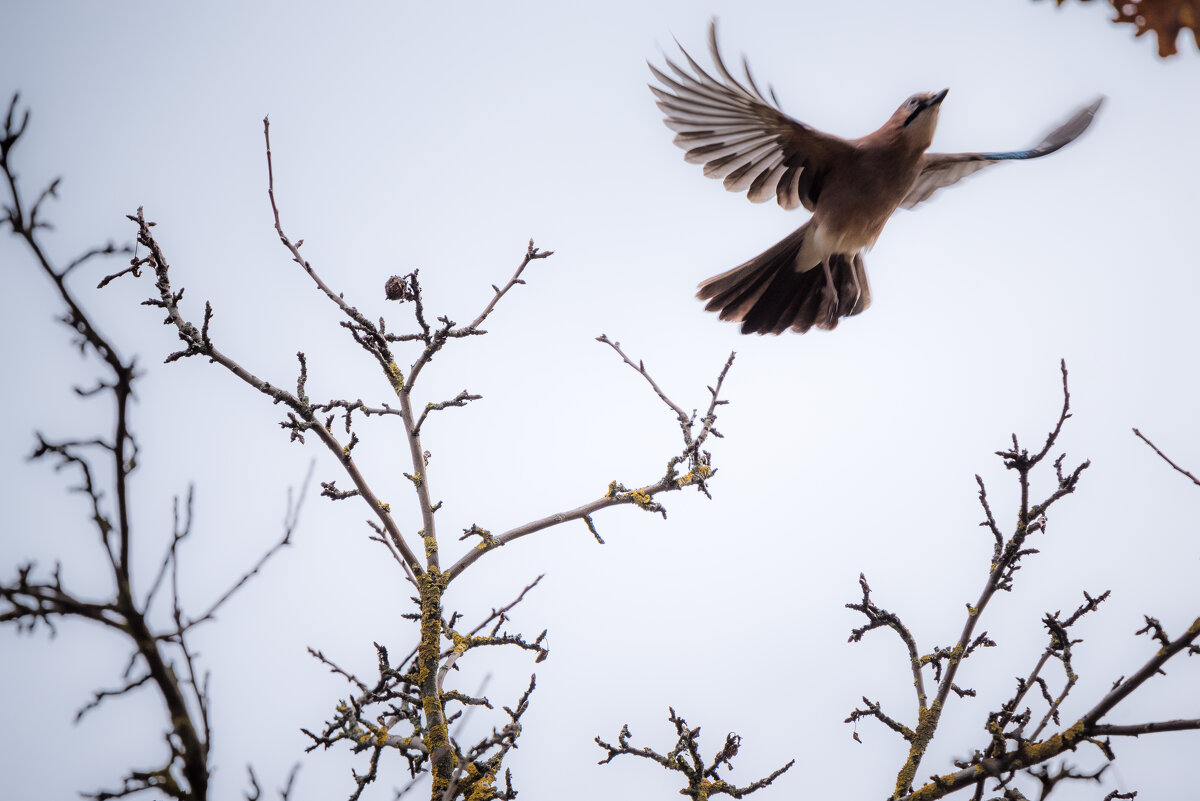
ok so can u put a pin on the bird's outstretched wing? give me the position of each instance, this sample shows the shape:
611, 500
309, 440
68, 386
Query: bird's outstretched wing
741, 136
943, 169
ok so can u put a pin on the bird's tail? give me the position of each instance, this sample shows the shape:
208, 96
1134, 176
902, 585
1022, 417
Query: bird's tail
768, 294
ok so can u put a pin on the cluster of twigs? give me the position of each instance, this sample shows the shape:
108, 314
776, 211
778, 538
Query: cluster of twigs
703, 780
161, 659
409, 709
389, 714
1019, 742
411, 693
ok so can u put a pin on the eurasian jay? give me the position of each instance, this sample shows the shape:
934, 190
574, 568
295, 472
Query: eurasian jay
815, 275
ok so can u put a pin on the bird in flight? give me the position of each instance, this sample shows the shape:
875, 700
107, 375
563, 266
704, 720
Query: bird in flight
815, 275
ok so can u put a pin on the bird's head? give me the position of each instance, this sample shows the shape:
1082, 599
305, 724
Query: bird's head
916, 119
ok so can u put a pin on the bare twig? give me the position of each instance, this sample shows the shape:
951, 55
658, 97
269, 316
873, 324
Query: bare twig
25, 602
1164, 457
702, 781
643, 496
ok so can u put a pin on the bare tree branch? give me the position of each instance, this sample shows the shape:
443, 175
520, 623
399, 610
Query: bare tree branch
702, 781
1176, 467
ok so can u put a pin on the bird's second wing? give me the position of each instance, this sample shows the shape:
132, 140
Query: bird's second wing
741, 136
943, 169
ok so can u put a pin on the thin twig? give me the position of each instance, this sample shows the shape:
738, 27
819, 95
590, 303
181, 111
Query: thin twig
1179, 469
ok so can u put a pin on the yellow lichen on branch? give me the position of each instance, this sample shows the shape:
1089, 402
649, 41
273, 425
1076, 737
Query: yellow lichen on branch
395, 377
698, 474
640, 497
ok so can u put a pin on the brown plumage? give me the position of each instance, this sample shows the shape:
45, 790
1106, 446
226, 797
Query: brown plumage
815, 275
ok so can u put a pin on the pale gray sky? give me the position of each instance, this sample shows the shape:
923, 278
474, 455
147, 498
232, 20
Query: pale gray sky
443, 137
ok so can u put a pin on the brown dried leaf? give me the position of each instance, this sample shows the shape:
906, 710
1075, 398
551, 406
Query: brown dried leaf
1165, 17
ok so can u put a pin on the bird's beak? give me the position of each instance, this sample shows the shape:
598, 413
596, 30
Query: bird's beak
938, 98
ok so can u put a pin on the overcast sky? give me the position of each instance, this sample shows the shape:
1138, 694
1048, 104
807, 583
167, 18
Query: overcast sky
444, 136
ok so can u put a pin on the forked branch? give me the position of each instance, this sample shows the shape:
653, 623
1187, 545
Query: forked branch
702, 780
1017, 743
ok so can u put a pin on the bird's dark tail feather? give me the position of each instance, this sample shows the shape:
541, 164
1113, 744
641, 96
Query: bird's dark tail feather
768, 295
